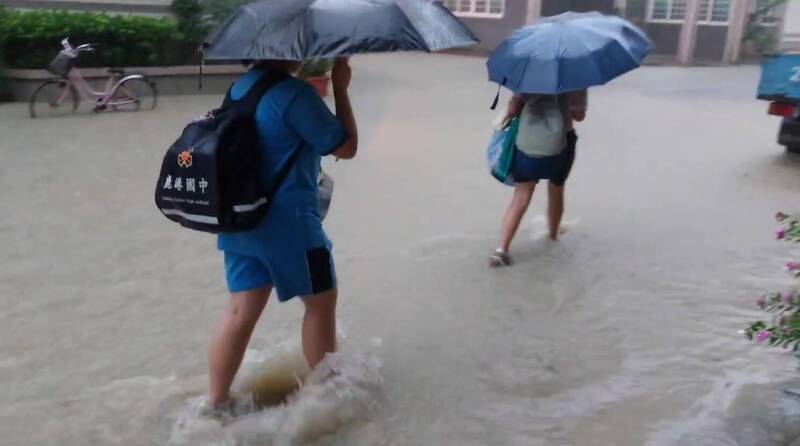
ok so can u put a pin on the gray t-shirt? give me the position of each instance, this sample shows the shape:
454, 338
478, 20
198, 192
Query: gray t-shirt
572, 102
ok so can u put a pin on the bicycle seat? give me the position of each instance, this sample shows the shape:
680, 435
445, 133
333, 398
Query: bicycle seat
116, 71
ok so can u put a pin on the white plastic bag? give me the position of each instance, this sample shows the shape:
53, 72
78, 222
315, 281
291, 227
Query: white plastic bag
325, 184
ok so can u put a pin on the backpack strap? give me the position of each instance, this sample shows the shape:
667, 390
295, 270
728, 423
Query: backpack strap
248, 104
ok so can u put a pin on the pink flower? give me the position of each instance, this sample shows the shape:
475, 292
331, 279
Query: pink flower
780, 216
780, 233
793, 266
788, 297
762, 336
761, 302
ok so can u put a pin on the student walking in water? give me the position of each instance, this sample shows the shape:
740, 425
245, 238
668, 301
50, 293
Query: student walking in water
549, 65
288, 252
545, 151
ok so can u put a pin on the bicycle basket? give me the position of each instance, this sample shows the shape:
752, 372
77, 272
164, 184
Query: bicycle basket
61, 64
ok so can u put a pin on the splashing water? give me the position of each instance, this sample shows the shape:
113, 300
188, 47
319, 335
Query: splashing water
343, 390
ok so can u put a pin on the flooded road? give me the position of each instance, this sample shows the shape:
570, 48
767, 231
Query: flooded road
623, 333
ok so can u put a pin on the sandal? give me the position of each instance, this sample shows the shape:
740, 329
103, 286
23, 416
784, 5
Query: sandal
499, 258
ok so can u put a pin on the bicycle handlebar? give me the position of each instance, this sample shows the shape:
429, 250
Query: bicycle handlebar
69, 49
85, 47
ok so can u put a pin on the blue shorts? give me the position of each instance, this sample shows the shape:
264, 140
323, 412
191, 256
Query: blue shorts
292, 272
554, 168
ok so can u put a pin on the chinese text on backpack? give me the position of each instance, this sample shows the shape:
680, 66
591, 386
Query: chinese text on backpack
210, 177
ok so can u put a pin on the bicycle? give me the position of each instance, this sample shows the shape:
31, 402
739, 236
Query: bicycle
62, 95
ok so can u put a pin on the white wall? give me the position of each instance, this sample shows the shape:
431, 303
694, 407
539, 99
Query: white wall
790, 38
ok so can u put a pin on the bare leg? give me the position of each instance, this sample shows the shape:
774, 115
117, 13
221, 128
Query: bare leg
230, 339
555, 208
516, 209
319, 326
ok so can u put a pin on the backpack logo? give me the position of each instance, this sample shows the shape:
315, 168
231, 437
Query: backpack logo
185, 158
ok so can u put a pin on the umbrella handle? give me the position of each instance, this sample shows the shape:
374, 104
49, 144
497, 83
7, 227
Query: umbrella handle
497, 97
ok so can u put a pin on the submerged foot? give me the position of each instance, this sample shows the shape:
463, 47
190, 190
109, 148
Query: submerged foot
324, 371
499, 258
554, 235
224, 412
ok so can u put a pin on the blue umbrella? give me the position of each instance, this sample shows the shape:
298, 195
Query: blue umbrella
317, 29
568, 52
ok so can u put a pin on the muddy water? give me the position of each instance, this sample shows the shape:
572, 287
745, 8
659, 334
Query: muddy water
623, 333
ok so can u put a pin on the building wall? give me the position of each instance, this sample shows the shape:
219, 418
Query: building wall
665, 37
635, 11
492, 31
789, 40
710, 42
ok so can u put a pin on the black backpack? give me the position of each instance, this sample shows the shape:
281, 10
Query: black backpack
210, 178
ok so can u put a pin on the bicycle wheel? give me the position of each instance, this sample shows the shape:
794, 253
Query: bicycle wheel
133, 95
53, 98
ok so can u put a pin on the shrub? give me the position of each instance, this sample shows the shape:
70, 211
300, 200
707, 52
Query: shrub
31, 39
191, 18
762, 38
4, 84
783, 328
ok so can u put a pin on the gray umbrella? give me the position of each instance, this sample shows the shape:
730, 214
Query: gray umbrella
314, 29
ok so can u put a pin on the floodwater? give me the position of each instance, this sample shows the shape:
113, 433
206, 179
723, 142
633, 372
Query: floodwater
623, 333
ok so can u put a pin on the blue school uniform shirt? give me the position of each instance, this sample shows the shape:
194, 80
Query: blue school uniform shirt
291, 116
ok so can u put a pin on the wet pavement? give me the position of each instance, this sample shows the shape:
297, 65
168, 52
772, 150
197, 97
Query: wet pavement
623, 333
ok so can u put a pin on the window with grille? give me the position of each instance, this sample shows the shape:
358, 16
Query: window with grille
667, 10
677, 10
716, 12
477, 8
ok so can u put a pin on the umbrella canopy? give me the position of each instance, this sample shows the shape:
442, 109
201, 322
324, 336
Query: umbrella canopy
568, 52
314, 29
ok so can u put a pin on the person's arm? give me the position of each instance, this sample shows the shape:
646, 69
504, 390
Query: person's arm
340, 78
515, 106
578, 103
